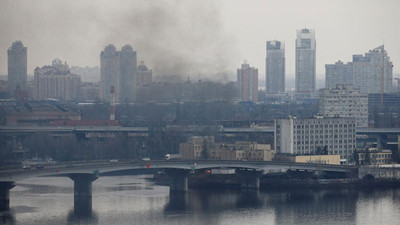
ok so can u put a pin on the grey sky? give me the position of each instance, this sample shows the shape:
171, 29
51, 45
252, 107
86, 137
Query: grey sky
196, 38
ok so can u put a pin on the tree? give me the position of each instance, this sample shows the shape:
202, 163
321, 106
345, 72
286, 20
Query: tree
355, 157
367, 157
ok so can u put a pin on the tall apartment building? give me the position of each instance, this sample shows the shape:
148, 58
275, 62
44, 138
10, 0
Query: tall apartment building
144, 75
247, 80
118, 72
109, 71
344, 101
305, 136
17, 67
127, 77
338, 73
371, 73
56, 81
305, 61
275, 68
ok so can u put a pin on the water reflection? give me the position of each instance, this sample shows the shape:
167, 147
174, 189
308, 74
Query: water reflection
125, 200
82, 217
303, 206
7, 217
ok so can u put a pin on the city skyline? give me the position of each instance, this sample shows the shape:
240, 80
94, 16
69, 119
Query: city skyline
209, 44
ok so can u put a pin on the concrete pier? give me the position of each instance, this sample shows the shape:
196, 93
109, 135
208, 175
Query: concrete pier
83, 192
5, 187
249, 179
178, 180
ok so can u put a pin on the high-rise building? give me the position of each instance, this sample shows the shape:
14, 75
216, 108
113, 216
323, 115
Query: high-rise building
307, 136
247, 80
109, 71
344, 101
371, 73
275, 68
118, 73
144, 75
305, 61
338, 73
17, 67
56, 82
127, 76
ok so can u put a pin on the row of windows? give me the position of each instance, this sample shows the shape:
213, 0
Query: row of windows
325, 126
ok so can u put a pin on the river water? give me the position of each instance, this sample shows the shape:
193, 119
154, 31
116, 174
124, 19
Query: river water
136, 200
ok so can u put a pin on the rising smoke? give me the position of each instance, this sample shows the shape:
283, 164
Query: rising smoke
173, 37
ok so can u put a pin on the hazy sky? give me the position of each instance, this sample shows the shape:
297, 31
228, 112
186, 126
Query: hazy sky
196, 37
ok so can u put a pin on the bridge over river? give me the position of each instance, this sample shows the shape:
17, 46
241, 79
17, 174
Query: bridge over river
84, 173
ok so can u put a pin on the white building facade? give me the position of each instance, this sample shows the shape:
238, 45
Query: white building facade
344, 101
305, 136
372, 73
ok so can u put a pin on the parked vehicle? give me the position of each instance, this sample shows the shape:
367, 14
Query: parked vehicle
146, 159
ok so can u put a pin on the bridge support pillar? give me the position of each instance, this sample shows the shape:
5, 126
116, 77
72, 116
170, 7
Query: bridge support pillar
249, 179
5, 187
178, 180
83, 192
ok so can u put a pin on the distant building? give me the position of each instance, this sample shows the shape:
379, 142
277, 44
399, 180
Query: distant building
88, 74
338, 73
39, 113
371, 73
56, 82
194, 147
144, 75
204, 147
17, 68
374, 156
90, 91
247, 80
109, 71
118, 71
309, 136
319, 159
344, 101
128, 73
305, 61
275, 68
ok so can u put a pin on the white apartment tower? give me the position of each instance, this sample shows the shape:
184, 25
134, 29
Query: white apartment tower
305, 61
371, 73
118, 70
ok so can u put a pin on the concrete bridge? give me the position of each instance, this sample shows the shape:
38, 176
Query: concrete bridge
84, 173
23, 130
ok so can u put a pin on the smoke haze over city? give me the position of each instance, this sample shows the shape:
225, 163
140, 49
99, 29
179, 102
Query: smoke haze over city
196, 38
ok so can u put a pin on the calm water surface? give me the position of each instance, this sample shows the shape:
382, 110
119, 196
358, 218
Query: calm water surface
135, 200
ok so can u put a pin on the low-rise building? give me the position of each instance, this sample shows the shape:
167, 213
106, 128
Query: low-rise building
374, 156
205, 148
308, 136
319, 159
